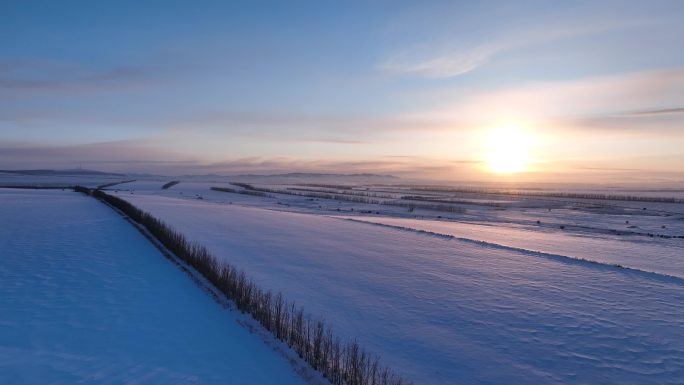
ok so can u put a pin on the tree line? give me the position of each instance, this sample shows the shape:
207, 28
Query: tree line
224, 189
356, 197
554, 194
332, 186
449, 200
243, 191
342, 362
345, 192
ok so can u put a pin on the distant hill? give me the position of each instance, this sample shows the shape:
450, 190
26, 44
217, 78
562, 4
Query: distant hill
60, 172
316, 175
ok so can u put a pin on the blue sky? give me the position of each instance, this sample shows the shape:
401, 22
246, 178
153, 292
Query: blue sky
405, 87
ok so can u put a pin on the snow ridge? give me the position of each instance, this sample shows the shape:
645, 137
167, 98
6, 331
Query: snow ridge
558, 257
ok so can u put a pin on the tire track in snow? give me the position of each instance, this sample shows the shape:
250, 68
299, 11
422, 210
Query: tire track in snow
556, 257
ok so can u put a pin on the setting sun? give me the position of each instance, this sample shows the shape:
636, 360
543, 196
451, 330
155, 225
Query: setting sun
508, 149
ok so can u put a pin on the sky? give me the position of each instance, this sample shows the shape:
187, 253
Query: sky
586, 91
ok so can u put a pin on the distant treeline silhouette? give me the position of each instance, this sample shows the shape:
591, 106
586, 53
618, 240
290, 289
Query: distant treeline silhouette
347, 192
448, 200
102, 186
245, 186
166, 186
341, 362
430, 206
224, 189
356, 197
306, 193
250, 191
333, 186
552, 194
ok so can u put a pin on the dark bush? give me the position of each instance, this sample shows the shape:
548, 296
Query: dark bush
166, 186
224, 189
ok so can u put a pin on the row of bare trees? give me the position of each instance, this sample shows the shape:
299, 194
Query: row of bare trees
346, 192
356, 197
224, 189
553, 194
331, 186
245, 186
341, 362
423, 198
429, 206
243, 191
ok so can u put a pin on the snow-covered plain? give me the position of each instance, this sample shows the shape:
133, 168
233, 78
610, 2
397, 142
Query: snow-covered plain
662, 256
86, 299
446, 311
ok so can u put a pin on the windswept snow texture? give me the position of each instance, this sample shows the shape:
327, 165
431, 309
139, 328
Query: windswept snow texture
444, 311
662, 256
85, 298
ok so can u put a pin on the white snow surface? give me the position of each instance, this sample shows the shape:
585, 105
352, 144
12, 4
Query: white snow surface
657, 255
447, 311
86, 299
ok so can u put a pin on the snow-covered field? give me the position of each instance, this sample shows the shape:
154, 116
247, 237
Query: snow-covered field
443, 296
86, 299
662, 256
449, 311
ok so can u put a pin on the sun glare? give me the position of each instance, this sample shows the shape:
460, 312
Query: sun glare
508, 149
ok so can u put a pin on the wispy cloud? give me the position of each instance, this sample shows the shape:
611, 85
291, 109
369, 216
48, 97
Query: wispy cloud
445, 65
144, 156
123, 155
663, 111
445, 60
27, 77
303, 127
414, 167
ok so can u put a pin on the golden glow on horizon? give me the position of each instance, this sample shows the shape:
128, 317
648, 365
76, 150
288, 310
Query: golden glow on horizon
508, 149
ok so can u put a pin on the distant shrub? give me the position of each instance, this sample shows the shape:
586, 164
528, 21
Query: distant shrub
224, 189
166, 186
254, 193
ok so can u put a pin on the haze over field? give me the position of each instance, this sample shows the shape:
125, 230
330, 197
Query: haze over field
504, 91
